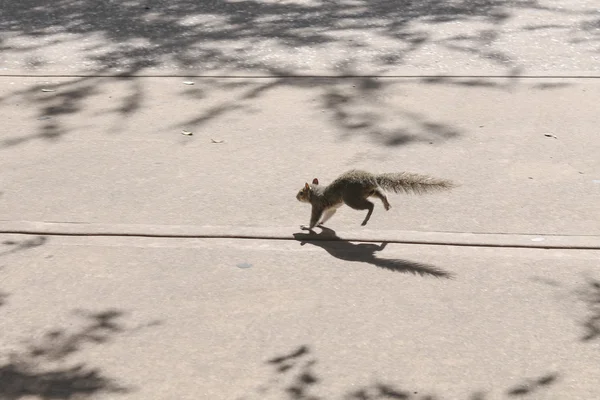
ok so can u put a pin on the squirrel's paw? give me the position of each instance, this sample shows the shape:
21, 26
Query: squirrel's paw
305, 228
387, 207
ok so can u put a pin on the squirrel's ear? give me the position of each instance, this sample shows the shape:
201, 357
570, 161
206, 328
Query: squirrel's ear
306, 186
315, 181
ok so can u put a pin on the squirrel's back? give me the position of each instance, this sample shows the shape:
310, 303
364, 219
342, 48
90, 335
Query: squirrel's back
353, 179
357, 176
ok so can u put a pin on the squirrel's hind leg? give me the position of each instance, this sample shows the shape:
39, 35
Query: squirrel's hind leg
381, 196
360, 204
370, 206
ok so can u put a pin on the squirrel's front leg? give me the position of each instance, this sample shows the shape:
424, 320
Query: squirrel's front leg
315, 216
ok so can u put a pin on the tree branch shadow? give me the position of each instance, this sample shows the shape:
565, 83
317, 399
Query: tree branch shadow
42, 369
45, 369
590, 295
294, 377
19, 379
3, 297
250, 37
365, 253
26, 244
352, 106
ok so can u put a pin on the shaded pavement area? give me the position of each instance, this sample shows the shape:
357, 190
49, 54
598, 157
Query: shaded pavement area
149, 233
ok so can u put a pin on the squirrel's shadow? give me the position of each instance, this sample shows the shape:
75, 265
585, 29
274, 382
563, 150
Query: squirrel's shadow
365, 252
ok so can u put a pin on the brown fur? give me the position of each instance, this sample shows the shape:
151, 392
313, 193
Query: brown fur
354, 187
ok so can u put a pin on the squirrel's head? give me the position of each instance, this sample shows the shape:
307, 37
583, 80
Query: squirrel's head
305, 193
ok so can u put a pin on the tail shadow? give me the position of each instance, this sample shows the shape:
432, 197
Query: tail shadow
365, 252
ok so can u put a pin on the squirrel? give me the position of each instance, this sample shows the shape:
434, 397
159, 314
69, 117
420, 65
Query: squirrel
355, 186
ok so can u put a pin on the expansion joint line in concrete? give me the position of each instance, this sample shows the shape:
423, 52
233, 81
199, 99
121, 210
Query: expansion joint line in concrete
463, 239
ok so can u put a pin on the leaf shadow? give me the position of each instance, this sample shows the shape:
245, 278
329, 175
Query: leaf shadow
294, 377
221, 38
26, 244
45, 368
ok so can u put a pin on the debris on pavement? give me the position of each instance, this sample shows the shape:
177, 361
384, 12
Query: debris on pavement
244, 265
550, 135
188, 82
186, 133
217, 141
48, 90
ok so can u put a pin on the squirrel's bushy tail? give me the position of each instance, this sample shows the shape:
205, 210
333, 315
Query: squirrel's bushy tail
412, 183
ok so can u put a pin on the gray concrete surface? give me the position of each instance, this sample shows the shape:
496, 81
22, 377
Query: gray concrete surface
112, 151
216, 37
156, 265
201, 318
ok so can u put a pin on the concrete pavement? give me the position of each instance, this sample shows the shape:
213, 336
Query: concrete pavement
152, 263
105, 150
217, 37
201, 318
